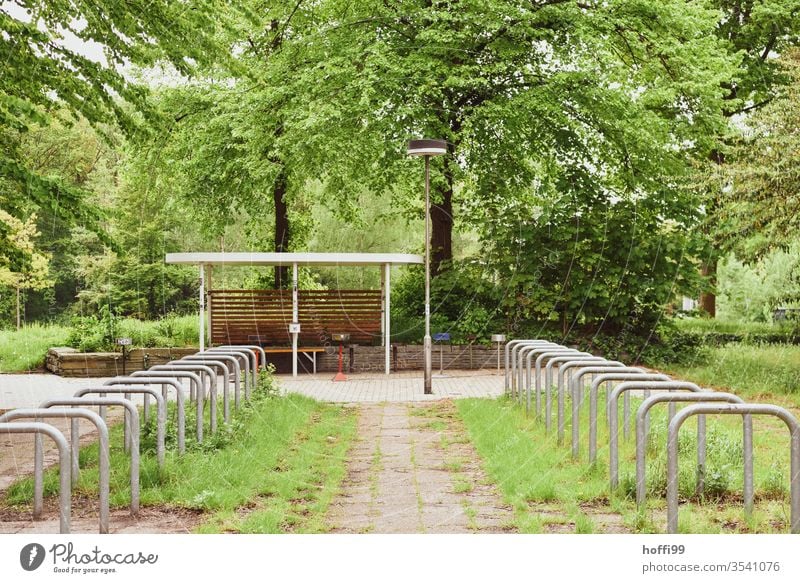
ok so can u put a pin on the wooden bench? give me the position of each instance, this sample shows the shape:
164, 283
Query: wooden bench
304, 350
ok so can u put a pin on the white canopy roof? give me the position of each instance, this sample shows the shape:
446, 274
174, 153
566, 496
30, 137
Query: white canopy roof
292, 258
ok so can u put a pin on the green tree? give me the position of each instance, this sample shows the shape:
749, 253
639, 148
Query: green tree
225, 148
75, 154
760, 211
758, 30
513, 87
752, 291
148, 221
29, 267
44, 70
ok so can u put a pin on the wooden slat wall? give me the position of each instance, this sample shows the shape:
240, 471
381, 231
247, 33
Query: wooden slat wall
263, 316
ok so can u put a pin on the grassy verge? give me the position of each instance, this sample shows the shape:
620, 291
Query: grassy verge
275, 469
717, 326
25, 349
166, 332
551, 492
768, 372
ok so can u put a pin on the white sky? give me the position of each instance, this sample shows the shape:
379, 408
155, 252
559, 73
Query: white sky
90, 50
94, 51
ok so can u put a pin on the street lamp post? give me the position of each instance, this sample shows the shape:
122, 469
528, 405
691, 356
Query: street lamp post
427, 148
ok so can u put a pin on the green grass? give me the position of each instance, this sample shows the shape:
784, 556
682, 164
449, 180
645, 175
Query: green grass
770, 372
25, 349
166, 333
276, 470
545, 486
717, 326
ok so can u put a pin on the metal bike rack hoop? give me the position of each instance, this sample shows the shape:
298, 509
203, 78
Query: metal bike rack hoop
613, 416
563, 369
195, 383
45, 412
164, 382
224, 373
65, 487
621, 375
208, 373
575, 388
701, 397
747, 409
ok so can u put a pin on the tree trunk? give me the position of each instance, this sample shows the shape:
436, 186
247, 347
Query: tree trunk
708, 269
442, 223
19, 320
282, 232
708, 300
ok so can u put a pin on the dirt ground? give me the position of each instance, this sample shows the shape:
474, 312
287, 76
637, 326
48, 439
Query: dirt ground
85, 519
16, 461
16, 451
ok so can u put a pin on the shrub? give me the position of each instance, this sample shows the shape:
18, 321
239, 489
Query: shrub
93, 333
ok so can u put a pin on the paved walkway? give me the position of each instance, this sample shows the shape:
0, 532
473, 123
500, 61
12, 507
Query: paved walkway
413, 470
402, 387
28, 390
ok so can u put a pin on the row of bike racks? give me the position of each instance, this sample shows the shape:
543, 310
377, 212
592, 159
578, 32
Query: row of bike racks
202, 370
564, 370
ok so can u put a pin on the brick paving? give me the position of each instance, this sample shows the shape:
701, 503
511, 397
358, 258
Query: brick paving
401, 387
413, 470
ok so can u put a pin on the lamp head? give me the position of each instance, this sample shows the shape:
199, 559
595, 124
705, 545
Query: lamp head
427, 147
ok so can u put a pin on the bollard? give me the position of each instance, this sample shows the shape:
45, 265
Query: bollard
736, 409
595, 387
613, 416
65, 487
44, 412
702, 396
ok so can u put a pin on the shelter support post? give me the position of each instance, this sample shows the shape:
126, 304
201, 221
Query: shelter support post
387, 305
202, 340
209, 310
295, 318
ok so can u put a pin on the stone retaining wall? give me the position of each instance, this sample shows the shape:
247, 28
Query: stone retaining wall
69, 362
404, 357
